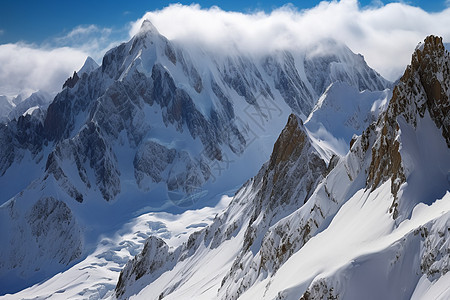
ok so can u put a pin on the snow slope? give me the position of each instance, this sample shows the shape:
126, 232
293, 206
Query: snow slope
362, 254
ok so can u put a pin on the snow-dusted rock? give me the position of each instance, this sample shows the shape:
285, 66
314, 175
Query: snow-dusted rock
38, 239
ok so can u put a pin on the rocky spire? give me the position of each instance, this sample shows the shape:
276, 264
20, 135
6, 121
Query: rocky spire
71, 81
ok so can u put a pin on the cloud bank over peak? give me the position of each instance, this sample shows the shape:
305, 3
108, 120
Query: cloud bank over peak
385, 34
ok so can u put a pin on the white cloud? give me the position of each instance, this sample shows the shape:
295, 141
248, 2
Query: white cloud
385, 34
27, 68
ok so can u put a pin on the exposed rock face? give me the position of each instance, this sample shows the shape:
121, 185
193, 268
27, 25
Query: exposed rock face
176, 168
294, 163
319, 290
7, 150
423, 88
21, 135
430, 65
87, 149
52, 223
71, 81
288, 82
292, 158
435, 248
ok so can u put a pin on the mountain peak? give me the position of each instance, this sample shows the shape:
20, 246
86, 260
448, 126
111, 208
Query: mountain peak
424, 86
88, 66
429, 45
148, 27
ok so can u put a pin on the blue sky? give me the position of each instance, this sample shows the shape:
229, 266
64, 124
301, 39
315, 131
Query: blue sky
39, 21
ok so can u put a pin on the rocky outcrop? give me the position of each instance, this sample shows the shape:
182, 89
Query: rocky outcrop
177, 168
435, 248
88, 149
21, 135
423, 89
154, 259
7, 149
287, 81
427, 82
71, 81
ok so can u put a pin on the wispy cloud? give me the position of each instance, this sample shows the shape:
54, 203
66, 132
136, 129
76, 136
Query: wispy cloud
2, 31
385, 34
90, 39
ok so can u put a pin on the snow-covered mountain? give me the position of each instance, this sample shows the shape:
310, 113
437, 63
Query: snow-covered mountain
14, 107
162, 126
373, 224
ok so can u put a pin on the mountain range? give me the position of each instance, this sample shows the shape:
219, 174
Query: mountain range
170, 171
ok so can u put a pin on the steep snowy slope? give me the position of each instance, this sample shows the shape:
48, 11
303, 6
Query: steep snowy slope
342, 112
159, 126
88, 66
375, 227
